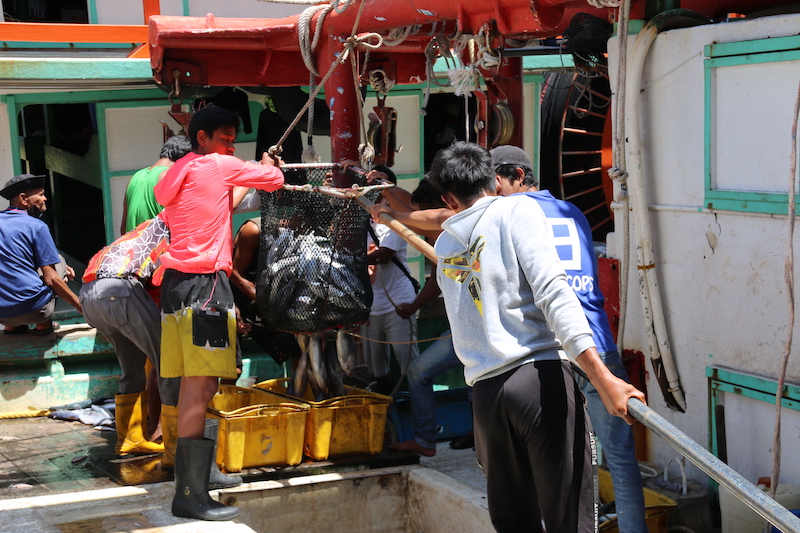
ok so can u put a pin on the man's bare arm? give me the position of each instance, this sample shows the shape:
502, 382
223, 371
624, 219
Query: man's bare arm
426, 219
59, 286
429, 292
244, 249
613, 391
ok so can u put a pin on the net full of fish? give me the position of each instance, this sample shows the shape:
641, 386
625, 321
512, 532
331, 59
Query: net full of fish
312, 274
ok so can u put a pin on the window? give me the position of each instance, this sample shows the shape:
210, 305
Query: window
750, 94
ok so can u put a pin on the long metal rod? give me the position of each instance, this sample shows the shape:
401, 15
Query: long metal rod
726, 476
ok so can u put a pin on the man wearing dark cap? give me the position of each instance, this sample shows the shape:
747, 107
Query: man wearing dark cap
573, 239
26, 246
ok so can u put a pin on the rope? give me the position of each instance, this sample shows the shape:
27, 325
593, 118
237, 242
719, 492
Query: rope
397, 35
618, 172
789, 278
303, 26
25, 414
366, 150
438, 45
418, 341
488, 58
600, 4
310, 155
465, 78
349, 45
379, 82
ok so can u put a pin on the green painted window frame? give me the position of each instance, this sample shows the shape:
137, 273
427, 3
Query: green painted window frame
103, 101
770, 50
748, 386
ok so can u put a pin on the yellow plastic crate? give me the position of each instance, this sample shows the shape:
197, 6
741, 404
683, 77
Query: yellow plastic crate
353, 423
656, 505
257, 428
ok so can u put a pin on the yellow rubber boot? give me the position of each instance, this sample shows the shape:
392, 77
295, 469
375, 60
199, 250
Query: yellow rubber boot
169, 434
130, 415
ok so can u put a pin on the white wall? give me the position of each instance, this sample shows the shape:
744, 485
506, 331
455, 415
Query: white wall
130, 12
720, 272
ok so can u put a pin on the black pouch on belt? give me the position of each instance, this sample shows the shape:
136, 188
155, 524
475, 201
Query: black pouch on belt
210, 325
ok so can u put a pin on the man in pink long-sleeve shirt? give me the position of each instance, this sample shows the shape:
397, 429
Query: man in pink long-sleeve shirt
198, 340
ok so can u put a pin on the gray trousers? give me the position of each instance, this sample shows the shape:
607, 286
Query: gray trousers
389, 327
127, 316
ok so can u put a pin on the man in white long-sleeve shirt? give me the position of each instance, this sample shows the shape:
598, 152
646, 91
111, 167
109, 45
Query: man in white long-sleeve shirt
508, 301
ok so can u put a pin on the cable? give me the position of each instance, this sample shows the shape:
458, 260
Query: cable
789, 278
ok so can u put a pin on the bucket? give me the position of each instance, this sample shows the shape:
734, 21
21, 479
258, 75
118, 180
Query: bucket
737, 517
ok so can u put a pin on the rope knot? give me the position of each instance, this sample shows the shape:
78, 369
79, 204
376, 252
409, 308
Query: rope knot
617, 174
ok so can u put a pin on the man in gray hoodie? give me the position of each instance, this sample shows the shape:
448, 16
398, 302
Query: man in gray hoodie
508, 301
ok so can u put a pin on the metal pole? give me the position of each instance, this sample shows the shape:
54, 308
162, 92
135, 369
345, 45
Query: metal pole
729, 478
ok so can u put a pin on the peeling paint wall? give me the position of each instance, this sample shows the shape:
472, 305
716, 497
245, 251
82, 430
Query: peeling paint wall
721, 273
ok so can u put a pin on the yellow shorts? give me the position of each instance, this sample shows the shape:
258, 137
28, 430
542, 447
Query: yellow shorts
181, 356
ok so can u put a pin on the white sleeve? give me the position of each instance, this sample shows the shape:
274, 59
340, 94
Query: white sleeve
250, 202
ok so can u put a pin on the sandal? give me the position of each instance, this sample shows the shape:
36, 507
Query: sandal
16, 330
47, 331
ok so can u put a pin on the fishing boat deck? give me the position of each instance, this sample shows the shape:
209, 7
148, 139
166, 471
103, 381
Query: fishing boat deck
43, 456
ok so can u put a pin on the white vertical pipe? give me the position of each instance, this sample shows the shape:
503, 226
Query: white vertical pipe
658, 341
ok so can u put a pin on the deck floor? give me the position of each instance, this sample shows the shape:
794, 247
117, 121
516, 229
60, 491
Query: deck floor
43, 456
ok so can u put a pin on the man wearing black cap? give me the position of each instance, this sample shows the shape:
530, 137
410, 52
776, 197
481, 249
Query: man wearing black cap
25, 246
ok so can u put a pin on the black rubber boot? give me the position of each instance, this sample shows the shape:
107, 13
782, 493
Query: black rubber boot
192, 463
216, 479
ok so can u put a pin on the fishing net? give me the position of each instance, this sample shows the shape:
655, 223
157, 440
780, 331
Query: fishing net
312, 271
587, 40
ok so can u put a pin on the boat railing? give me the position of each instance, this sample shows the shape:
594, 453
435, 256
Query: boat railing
752, 496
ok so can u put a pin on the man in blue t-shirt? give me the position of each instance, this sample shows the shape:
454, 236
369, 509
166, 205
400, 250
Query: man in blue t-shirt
26, 247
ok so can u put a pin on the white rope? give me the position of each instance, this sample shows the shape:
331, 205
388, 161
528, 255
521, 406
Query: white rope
619, 171
379, 82
397, 35
342, 9
465, 78
350, 44
487, 57
308, 46
600, 4
789, 278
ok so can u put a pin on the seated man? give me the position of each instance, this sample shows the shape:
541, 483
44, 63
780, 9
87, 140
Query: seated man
25, 246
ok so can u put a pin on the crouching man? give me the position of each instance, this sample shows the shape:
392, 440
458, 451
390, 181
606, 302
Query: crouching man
26, 247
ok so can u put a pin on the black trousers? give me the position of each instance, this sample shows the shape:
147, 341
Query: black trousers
532, 440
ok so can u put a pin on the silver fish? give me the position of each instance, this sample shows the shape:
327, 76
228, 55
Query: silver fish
297, 385
319, 372
335, 377
346, 351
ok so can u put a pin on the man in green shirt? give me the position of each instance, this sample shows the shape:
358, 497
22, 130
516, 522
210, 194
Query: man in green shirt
140, 201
